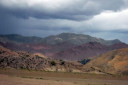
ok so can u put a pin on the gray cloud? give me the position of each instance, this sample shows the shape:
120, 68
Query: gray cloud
71, 9
46, 17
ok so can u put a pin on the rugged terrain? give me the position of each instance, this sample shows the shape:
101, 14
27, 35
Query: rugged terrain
34, 53
66, 46
24, 60
88, 50
113, 62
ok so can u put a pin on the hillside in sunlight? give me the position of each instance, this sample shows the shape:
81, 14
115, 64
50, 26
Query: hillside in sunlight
113, 62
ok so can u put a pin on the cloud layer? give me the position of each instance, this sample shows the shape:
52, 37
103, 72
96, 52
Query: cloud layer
100, 18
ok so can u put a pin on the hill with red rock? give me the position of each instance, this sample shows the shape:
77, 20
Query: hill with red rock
88, 50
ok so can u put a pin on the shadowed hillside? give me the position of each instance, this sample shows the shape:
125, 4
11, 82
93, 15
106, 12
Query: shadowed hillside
88, 50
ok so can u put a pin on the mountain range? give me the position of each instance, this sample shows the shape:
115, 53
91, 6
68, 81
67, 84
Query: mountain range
66, 46
66, 52
112, 62
72, 38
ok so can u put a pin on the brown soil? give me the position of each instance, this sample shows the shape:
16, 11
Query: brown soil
24, 77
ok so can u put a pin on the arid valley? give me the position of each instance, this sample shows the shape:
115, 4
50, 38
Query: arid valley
63, 42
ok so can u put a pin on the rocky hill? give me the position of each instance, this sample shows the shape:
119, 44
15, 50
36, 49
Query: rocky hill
86, 51
113, 62
80, 52
24, 60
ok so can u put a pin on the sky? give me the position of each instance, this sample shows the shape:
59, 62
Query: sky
107, 19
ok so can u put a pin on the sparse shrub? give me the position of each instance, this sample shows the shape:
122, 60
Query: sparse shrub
2, 52
27, 55
84, 61
53, 63
37, 56
125, 72
22, 67
62, 63
61, 60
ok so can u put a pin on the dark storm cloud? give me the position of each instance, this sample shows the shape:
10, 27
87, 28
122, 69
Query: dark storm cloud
46, 17
82, 9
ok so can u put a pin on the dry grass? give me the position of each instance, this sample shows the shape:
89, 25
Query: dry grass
8, 80
25, 77
113, 62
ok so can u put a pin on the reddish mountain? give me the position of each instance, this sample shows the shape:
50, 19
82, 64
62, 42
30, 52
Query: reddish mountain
67, 46
89, 50
47, 50
66, 51
81, 52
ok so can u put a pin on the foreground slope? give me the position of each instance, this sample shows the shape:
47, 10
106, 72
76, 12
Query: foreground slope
25, 60
113, 62
33, 78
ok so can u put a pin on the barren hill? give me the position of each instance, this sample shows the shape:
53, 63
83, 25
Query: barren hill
113, 62
25, 60
67, 46
84, 51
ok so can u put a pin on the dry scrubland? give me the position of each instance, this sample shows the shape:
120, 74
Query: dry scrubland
25, 77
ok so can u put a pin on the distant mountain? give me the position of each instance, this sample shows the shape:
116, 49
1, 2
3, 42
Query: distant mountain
113, 62
88, 50
77, 39
15, 38
72, 38
82, 51
68, 46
